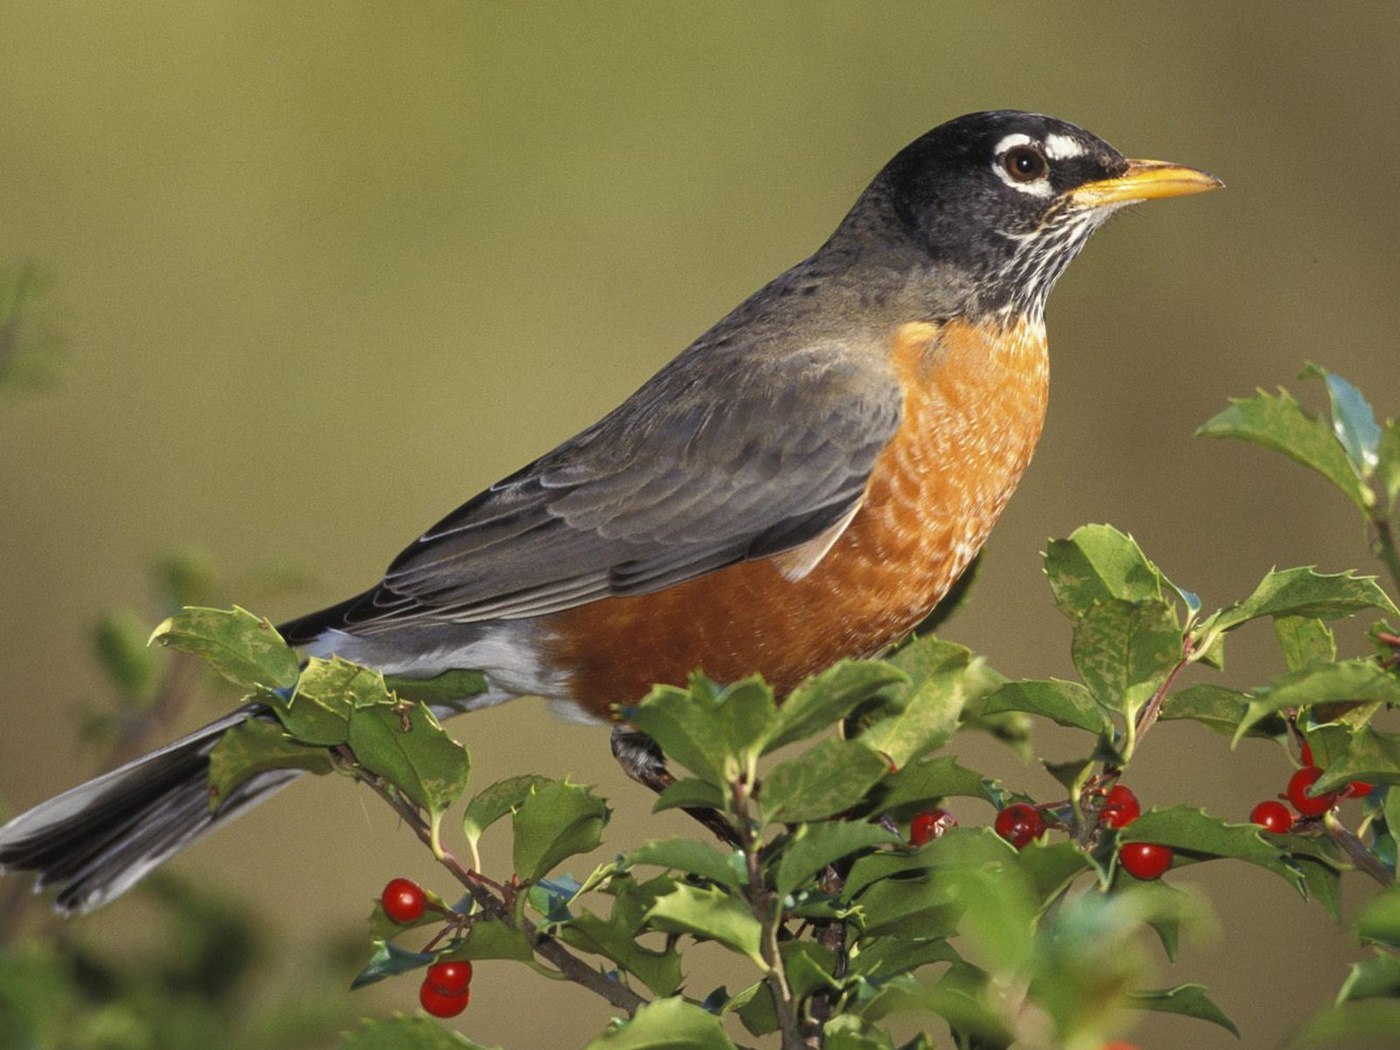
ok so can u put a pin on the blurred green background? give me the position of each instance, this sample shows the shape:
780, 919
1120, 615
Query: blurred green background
324, 270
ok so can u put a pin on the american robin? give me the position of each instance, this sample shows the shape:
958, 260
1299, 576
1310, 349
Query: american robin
804, 482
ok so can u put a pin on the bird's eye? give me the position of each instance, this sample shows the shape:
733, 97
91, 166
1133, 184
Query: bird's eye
1024, 163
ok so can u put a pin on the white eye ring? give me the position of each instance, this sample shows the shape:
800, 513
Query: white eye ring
1009, 154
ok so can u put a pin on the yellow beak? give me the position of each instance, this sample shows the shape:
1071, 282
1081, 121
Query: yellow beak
1145, 180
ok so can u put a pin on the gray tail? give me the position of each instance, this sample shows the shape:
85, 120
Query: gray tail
95, 841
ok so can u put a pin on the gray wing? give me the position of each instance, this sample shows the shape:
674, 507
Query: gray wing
717, 459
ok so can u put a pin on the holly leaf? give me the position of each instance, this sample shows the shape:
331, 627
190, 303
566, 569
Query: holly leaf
489, 938
828, 779
709, 913
717, 734
1375, 978
1050, 866
1370, 1022
1347, 681
1123, 650
1388, 460
886, 957
690, 793
1099, 564
1194, 835
404, 744
909, 907
326, 693
1379, 921
445, 689
755, 1008
1279, 423
1065, 703
1305, 641
1353, 420
686, 855
1166, 921
494, 802
256, 746
615, 939
826, 698
406, 1033
921, 784
1220, 709
814, 846
245, 649
1355, 754
556, 820
927, 655
1321, 878
931, 705
665, 1024
1303, 592
387, 960
1187, 1000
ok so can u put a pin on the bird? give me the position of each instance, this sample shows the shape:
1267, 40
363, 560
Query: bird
803, 482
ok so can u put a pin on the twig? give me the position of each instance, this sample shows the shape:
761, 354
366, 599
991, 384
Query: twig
833, 938
1147, 717
767, 909
569, 965
1356, 850
177, 685
1384, 545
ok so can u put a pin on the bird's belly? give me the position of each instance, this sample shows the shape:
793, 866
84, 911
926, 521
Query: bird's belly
973, 409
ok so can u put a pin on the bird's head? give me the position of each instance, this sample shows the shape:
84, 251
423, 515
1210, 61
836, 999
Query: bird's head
1006, 199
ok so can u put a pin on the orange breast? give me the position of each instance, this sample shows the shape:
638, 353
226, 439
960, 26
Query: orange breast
974, 404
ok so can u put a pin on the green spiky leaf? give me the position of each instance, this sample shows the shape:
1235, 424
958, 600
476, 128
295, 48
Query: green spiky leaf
1097, 563
1186, 1000
555, 821
1279, 423
256, 746
244, 648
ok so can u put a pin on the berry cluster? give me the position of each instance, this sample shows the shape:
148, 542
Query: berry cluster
1020, 824
1276, 818
446, 988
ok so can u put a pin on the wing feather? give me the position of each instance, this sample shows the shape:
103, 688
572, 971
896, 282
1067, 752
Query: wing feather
721, 457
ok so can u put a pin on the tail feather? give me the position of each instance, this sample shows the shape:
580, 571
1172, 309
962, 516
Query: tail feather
98, 839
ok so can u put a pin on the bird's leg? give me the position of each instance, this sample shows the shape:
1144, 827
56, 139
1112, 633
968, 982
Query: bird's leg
642, 760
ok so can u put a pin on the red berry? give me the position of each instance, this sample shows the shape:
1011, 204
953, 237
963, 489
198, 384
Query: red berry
1304, 803
1273, 816
404, 900
443, 1004
1019, 823
1359, 789
1145, 860
929, 825
451, 977
1120, 807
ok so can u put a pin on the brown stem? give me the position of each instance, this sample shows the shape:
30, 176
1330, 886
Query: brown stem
570, 966
1384, 545
832, 937
1147, 717
176, 684
1356, 850
767, 910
